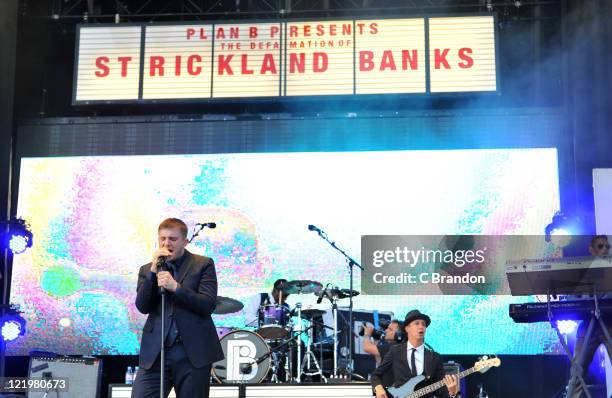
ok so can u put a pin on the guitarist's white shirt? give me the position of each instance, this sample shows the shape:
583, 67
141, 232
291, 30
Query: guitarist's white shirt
419, 357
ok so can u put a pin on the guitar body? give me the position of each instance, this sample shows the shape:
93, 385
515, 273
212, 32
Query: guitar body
406, 388
415, 388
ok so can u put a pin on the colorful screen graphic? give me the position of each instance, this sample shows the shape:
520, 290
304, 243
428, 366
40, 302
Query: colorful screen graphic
95, 221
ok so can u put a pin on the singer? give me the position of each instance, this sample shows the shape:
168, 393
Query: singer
189, 283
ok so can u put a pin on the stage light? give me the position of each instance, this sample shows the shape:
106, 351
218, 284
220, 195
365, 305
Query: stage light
18, 244
11, 330
12, 325
561, 229
567, 327
560, 237
19, 237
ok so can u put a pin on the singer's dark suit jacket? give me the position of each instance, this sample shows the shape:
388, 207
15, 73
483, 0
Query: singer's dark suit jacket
193, 303
395, 363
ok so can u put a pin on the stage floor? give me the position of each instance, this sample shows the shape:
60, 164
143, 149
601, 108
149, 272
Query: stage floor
306, 390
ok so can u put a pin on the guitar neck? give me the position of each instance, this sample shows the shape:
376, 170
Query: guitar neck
437, 385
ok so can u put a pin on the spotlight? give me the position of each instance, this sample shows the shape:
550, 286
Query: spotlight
567, 327
12, 325
489, 5
561, 229
11, 330
18, 244
19, 236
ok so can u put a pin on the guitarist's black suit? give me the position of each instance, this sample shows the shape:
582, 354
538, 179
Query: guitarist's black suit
395, 363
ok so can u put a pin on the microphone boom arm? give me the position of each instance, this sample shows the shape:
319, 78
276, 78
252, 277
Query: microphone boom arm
349, 259
199, 227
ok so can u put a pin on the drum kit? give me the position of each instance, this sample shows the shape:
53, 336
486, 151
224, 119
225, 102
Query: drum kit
280, 349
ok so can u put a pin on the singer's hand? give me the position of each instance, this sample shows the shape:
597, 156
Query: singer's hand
161, 252
165, 280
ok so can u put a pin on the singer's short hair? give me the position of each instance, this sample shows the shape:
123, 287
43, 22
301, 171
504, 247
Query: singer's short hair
169, 223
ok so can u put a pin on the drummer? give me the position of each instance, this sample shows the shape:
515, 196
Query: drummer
276, 297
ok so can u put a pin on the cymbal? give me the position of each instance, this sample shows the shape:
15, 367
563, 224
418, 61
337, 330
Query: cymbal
301, 286
226, 305
342, 293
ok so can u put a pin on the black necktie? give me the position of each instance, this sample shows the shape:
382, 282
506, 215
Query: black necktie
172, 269
172, 330
413, 363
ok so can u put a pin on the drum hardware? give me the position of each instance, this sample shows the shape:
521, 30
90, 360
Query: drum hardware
311, 313
333, 295
254, 357
299, 331
334, 301
351, 264
342, 293
310, 355
300, 287
277, 353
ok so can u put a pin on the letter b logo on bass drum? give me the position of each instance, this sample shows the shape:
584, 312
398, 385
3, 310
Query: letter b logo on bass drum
241, 352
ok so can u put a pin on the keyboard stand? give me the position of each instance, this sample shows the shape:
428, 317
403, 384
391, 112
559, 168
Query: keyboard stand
565, 276
576, 373
574, 364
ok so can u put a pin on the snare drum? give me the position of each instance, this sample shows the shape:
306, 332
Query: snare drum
243, 349
273, 322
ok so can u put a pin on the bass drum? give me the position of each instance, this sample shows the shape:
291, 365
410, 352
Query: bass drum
244, 358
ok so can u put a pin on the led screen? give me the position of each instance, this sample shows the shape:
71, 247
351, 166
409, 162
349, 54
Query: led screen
95, 220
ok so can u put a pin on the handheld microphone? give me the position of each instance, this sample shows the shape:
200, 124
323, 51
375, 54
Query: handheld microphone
313, 228
161, 260
161, 266
210, 225
322, 294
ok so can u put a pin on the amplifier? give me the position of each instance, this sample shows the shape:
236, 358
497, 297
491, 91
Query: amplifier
452, 368
364, 363
84, 375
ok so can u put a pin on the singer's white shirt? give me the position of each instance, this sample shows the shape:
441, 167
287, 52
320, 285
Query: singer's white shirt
419, 357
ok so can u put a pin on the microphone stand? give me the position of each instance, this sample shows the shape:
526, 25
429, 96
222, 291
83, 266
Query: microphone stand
351, 264
162, 291
162, 267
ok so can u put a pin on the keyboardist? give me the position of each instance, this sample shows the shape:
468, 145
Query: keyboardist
598, 247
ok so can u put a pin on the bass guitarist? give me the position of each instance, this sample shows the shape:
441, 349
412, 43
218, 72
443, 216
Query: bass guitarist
410, 359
